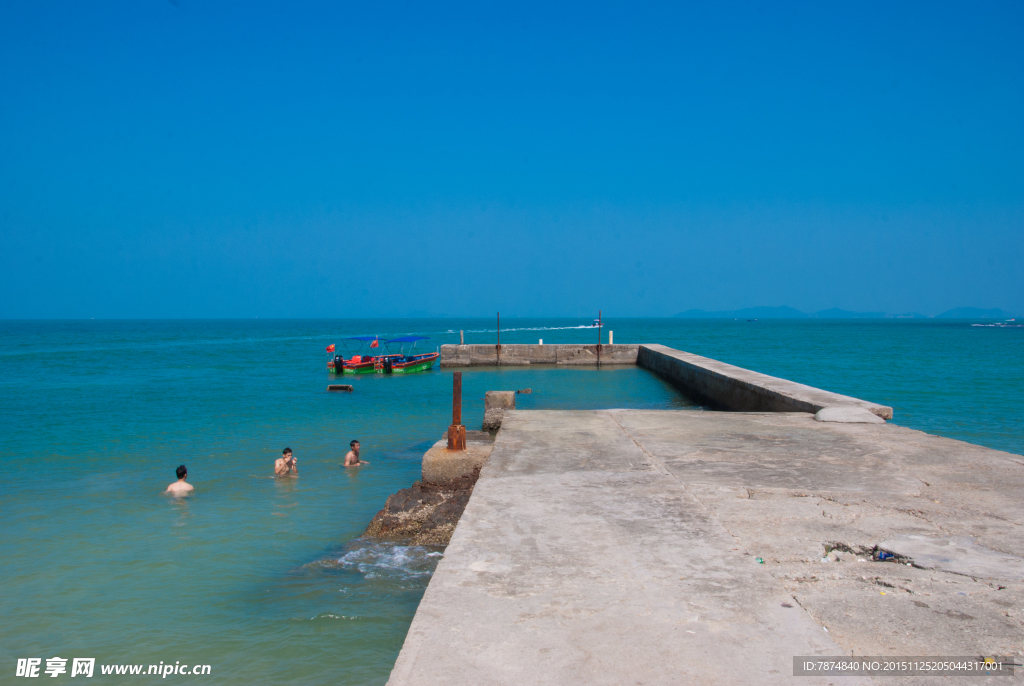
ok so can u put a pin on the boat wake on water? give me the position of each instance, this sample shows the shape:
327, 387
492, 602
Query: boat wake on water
530, 328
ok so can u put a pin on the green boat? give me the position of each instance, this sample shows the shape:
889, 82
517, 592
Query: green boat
406, 363
357, 363
390, 362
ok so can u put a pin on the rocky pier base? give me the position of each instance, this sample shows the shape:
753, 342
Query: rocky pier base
426, 513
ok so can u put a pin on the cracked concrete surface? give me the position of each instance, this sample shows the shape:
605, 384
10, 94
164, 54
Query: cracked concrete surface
622, 547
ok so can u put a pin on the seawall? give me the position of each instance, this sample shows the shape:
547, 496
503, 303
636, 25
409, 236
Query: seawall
727, 387
716, 384
520, 355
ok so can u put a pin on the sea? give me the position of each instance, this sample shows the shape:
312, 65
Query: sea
267, 580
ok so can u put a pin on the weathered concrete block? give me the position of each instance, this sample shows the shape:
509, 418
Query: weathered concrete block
442, 467
496, 403
501, 400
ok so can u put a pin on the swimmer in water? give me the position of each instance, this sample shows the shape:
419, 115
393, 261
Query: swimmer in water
180, 487
352, 458
285, 464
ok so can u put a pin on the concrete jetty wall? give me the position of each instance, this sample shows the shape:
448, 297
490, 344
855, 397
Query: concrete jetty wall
521, 355
716, 384
724, 386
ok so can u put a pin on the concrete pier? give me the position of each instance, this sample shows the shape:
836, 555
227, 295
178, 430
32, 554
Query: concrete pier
622, 547
710, 382
728, 387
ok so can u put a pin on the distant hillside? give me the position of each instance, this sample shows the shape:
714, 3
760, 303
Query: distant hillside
974, 313
784, 312
747, 313
836, 313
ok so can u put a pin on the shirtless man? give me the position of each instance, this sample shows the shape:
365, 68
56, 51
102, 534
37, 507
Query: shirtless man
180, 487
352, 458
285, 464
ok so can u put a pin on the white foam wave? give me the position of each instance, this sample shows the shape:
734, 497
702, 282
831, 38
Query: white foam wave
534, 328
375, 559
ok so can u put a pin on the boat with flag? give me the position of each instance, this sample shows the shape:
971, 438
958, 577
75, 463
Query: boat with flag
395, 360
358, 362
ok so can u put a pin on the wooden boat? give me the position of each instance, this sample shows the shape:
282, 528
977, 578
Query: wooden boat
357, 363
403, 362
360, 364
391, 362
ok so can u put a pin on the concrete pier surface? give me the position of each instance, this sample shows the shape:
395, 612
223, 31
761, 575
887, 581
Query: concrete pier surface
622, 546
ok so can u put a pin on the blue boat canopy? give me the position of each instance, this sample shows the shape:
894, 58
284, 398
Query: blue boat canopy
361, 338
408, 339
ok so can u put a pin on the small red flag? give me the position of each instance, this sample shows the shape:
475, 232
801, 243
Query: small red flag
375, 344
330, 348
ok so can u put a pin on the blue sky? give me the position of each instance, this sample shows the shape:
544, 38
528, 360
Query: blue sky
191, 159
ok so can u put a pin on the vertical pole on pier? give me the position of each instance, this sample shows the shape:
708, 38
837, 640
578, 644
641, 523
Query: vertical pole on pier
599, 338
462, 339
457, 432
457, 399
498, 347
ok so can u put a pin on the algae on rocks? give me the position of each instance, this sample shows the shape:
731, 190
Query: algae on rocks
423, 514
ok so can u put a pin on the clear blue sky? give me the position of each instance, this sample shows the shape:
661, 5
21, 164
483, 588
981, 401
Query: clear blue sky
300, 159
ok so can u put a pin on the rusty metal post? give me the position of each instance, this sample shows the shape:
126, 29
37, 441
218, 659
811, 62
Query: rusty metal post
599, 338
498, 347
457, 432
457, 398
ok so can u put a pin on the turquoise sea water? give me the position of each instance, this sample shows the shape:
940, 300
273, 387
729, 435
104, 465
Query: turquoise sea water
265, 579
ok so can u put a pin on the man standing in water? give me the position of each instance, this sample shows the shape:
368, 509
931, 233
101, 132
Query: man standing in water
352, 458
285, 464
180, 487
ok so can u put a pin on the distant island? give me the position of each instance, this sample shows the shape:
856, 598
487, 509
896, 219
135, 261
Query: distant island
784, 312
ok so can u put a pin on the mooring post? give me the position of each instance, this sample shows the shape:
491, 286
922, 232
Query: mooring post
457, 399
498, 347
599, 338
462, 339
457, 432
